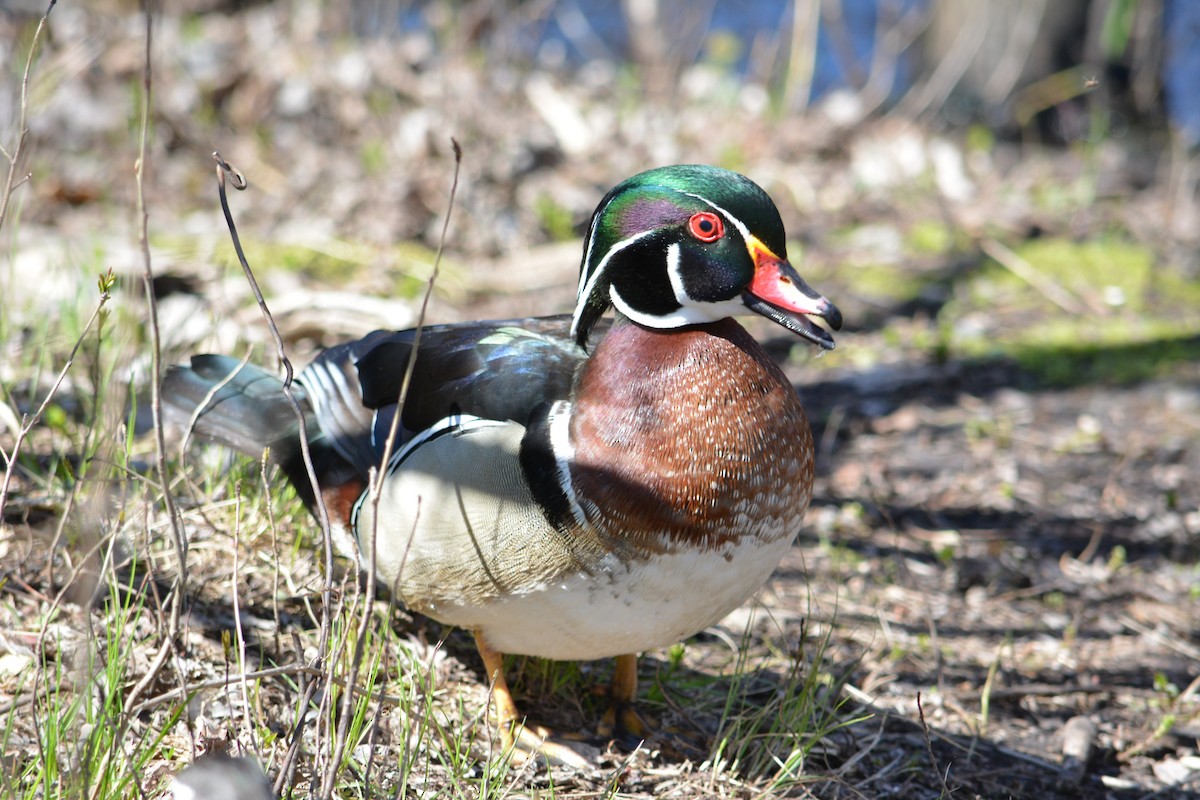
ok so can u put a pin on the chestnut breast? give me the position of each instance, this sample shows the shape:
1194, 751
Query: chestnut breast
689, 437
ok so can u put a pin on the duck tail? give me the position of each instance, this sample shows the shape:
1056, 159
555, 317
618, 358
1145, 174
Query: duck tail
225, 401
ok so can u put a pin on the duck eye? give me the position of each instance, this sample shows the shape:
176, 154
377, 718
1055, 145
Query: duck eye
706, 226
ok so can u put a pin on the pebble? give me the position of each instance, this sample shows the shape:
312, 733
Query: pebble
1175, 771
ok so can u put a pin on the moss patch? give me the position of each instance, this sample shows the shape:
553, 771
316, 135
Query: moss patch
1143, 318
885, 282
555, 219
1150, 321
1110, 272
1074, 362
930, 236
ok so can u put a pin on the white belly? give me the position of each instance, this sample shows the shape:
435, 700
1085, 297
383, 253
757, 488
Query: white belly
619, 609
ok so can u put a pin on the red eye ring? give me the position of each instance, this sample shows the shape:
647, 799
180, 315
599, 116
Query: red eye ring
706, 226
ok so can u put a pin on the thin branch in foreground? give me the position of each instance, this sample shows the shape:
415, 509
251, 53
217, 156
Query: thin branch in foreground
390, 444
178, 538
376, 488
929, 750
14, 158
239, 182
106, 284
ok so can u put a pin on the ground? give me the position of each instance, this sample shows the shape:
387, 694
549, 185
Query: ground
996, 592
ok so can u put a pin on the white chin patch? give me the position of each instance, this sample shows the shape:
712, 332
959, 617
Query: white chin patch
686, 315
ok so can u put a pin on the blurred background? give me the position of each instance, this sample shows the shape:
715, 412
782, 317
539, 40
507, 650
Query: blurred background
925, 118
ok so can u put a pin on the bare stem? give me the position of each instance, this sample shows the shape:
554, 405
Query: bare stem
377, 485
178, 538
412, 356
933, 762
14, 158
239, 182
29, 422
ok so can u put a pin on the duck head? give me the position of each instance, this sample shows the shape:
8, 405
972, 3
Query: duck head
690, 244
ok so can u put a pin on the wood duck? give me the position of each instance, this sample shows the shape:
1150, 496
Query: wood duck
567, 487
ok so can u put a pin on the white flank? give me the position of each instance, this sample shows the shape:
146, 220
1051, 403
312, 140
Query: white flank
454, 421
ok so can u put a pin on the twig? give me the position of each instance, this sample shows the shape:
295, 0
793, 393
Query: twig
929, 749
950, 69
1175, 643
1018, 47
224, 169
237, 623
377, 485
390, 444
802, 56
841, 46
88, 447
953, 741
14, 158
29, 422
267, 672
861, 751
894, 37
205, 401
239, 183
178, 538
156, 664
1029, 690
287, 769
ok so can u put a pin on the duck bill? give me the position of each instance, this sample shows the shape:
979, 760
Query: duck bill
780, 294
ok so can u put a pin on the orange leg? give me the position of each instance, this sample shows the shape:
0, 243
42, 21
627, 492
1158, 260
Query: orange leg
523, 742
506, 709
621, 719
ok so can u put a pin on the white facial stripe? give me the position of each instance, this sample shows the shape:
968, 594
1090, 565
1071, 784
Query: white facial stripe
587, 253
587, 259
564, 454
687, 315
586, 290
674, 261
737, 223
752, 241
